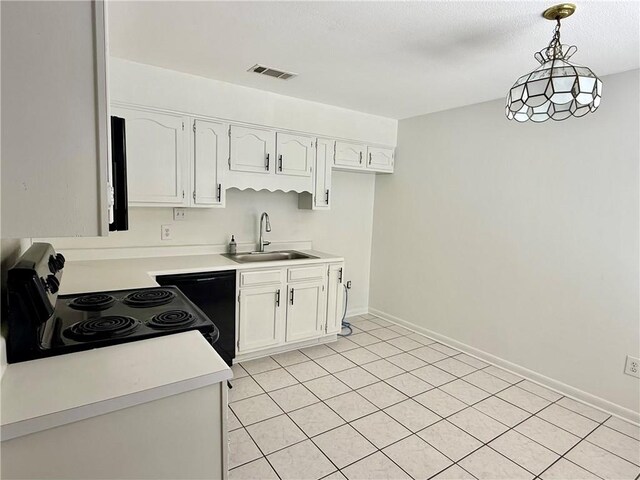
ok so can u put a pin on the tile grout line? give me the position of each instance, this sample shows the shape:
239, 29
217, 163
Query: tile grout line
379, 409
578, 443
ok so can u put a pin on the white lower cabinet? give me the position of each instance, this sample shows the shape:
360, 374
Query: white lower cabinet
305, 311
260, 318
149, 440
277, 307
335, 297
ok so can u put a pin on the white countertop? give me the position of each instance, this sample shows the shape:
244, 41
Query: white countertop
117, 274
49, 392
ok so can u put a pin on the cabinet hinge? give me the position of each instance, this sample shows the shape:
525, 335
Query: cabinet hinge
183, 194
229, 131
229, 161
238, 344
238, 297
194, 195
194, 126
183, 126
326, 328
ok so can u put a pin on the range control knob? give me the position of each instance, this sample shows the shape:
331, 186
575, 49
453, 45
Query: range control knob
56, 263
52, 284
60, 259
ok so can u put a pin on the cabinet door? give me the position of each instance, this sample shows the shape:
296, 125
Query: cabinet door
157, 156
335, 298
322, 174
349, 155
295, 154
210, 150
252, 149
305, 311
380, 159
260, 318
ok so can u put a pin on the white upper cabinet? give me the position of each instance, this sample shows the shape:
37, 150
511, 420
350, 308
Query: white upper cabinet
253, 163
322, 174
210, 152
355, 156
295, 154
55, 129
380, 159
320, 198
349, 155
252, 149
157, 156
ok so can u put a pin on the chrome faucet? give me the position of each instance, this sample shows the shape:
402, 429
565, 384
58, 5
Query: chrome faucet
263, 243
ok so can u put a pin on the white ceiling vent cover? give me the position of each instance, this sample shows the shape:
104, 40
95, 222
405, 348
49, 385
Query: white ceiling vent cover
272, 72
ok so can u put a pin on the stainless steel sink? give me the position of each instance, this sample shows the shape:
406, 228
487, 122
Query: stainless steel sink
252, 257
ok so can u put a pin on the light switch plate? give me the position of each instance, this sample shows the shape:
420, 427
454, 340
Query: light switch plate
166, 232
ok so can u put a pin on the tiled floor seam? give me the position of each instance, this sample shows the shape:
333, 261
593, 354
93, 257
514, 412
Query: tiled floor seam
378, 409
582, 439
483, 444
339, 426
255, 459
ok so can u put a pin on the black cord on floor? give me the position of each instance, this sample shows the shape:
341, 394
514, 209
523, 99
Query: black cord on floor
345, 325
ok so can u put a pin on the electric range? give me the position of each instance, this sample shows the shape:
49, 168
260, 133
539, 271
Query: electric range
42, 323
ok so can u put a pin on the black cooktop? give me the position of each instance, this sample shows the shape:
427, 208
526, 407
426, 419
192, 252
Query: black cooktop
98, 319
42, 323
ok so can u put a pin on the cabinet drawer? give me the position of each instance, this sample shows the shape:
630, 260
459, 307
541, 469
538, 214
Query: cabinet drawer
259, 277
312, 272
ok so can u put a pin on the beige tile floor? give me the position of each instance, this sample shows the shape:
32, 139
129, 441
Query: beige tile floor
387, 403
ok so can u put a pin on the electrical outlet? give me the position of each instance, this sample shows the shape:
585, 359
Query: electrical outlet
166, 232
179, 214
632, 367
349, 284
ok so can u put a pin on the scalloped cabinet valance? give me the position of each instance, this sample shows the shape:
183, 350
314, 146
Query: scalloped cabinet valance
180, 160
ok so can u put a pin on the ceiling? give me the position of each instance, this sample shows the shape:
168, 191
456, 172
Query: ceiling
395, 59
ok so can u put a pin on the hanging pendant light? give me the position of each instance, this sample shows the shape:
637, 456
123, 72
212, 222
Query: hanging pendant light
557, 89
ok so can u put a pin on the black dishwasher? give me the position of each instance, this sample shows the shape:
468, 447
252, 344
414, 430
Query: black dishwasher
215, 294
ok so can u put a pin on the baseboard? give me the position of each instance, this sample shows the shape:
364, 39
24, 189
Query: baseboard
352, 312
555, 385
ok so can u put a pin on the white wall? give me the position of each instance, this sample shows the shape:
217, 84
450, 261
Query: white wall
344, 230
137, 83
520, 240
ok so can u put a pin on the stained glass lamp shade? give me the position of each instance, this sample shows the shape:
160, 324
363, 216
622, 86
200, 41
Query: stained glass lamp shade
557, 89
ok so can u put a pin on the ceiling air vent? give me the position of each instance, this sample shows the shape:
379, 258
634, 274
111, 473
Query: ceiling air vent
272, 72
